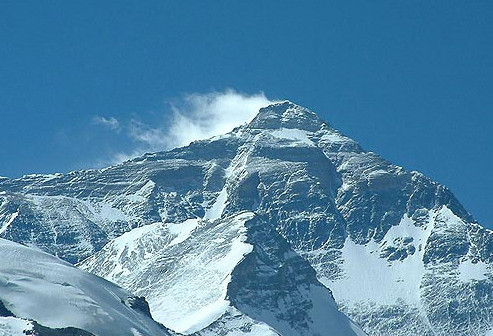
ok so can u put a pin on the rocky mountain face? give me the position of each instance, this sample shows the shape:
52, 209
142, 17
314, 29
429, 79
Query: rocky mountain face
276, 228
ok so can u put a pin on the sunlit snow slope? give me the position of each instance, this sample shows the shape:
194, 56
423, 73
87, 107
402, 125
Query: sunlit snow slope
36, 286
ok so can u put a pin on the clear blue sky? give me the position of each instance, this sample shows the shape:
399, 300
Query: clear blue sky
410, 80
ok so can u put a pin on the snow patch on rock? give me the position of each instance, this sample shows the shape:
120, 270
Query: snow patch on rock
469, 271
373, 278
293, 134
6, 225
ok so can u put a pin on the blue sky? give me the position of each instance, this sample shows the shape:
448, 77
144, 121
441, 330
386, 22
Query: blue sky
410, 80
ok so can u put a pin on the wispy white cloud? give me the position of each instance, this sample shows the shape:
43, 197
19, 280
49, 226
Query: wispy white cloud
151, 138
194, 117
111, 122
201, 116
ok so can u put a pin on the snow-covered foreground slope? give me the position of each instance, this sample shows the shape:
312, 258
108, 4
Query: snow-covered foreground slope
255, 231
13, 326
40, 287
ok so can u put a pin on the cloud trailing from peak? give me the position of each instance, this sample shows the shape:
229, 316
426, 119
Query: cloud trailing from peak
205, 115
195, 116
111, 122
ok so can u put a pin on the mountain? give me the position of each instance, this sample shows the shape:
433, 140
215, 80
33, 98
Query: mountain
271, 229
43, 295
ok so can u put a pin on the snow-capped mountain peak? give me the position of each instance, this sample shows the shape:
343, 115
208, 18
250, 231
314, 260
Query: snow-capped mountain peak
286, 114
276, 228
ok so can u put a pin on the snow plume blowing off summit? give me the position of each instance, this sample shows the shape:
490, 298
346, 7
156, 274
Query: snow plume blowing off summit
194, 116
202, 116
